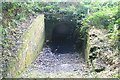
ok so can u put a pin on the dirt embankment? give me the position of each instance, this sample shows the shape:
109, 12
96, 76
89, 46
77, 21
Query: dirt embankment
103, 54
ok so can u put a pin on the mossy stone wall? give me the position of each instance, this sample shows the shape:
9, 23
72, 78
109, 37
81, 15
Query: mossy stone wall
33, 41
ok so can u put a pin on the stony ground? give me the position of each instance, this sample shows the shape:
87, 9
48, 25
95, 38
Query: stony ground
68, 65
56, 65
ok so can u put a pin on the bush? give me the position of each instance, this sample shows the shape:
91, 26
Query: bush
104, 19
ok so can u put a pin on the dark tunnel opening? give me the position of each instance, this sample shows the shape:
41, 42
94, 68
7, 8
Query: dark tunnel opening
62, 38
61, 35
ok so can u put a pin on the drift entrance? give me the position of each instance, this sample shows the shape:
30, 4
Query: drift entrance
63, 51
61, 35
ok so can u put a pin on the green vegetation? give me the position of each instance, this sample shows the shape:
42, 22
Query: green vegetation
105, 16
87, 14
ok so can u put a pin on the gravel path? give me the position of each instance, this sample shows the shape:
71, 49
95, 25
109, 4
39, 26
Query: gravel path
51, 65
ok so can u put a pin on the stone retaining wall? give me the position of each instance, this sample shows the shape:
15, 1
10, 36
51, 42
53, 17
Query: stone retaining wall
33, 41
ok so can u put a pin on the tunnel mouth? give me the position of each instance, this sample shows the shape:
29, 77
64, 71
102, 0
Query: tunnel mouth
61, 35
62, 38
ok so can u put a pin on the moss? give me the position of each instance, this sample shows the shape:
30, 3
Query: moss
32, 44
87, 50
86, 47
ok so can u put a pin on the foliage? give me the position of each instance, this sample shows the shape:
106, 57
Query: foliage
104, 19
105, 15
98, 14
87, 14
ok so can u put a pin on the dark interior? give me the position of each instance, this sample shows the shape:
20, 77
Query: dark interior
62, 34
62, 38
